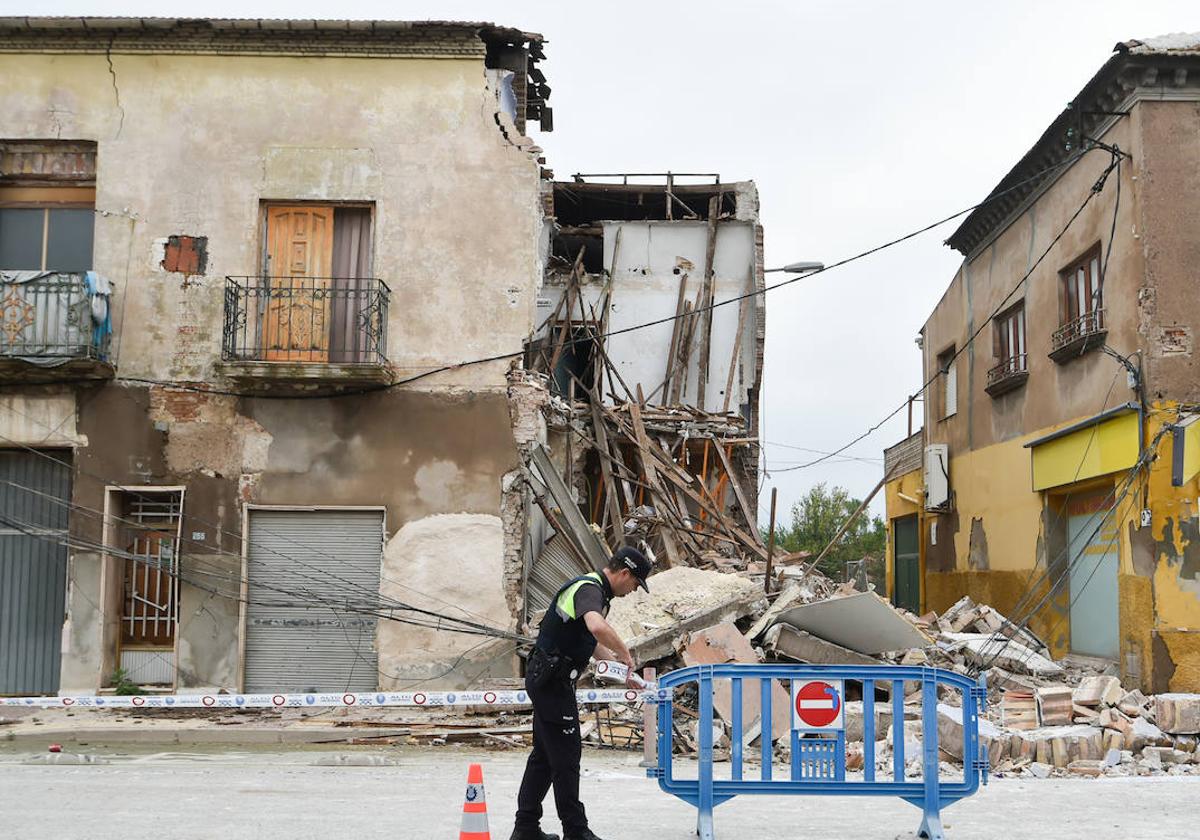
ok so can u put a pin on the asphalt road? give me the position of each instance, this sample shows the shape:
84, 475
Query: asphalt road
417, 793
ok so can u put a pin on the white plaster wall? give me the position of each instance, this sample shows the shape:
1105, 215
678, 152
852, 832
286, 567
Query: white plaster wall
193, 145
646, 288
459, 557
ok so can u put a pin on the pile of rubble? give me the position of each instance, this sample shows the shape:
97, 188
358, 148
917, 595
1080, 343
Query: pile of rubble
1044, 717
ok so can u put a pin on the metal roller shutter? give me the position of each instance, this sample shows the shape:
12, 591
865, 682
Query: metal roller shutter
329, 556
33, 569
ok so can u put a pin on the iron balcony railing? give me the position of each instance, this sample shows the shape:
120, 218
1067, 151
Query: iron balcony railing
50, 318
309, 320
1086, 326
1009, 374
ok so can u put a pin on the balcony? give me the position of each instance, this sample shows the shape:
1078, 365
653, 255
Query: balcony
1078, 336
305, 330
1007, 376
54, 326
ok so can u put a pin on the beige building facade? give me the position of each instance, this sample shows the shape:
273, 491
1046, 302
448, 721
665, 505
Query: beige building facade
305, 227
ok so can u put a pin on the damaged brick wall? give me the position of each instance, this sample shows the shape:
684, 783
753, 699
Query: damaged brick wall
527, 398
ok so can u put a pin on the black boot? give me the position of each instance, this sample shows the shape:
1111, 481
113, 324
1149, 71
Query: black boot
586, 834
531, 834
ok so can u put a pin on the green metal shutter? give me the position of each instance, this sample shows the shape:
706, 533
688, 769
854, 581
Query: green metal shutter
33, 569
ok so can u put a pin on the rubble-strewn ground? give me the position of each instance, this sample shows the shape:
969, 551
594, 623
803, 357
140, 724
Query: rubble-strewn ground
416, 794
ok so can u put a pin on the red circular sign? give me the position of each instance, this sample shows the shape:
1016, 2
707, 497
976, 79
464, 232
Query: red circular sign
818, 704
208, 701
489, 697
278, 700
138, 701
349, 699
68, 701
419, 699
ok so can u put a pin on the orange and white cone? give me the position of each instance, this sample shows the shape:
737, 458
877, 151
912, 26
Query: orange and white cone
474, 820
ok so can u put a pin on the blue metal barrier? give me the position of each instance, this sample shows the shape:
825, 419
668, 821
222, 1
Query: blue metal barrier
818, 755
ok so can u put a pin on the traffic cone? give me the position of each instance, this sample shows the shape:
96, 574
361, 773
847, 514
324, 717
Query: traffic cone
474, 820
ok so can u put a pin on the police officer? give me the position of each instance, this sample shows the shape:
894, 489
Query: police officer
573, 630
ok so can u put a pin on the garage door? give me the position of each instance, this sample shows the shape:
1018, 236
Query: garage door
34, 492
303, 568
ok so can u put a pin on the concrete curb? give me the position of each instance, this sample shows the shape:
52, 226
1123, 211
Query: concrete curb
232, 736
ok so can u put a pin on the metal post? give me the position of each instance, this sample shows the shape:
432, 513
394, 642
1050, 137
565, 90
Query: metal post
704, 817
736, 734
898, 730
765, 741
770, 542
868, 695
931, 823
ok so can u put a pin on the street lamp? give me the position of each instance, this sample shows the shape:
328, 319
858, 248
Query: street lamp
800, 267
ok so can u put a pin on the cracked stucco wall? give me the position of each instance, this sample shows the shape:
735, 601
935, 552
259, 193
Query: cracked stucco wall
200, 141
194, 145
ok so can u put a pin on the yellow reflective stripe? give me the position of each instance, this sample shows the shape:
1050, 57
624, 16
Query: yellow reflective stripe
565, 606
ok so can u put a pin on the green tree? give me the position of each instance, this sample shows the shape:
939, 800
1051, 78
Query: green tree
817, 517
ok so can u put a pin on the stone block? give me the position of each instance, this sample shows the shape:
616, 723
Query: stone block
1093, 691
1178, 714
1143, 733
1132, 703
996, 741
1060, 745
854, 720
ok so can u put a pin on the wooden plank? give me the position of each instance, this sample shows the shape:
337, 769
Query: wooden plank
746, 539
710, 252
680, 380
650, 469
743, 314
738, 493
676, 328
610, 481
566, 332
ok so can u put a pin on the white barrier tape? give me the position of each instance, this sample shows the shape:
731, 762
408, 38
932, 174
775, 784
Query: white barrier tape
373, 699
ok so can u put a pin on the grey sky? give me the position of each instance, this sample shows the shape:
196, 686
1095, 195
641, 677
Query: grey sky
858, 121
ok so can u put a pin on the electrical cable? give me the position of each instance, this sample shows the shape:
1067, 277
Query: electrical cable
1120, 491
370, 603
304, 599
390, 602
1097, 187
351, 392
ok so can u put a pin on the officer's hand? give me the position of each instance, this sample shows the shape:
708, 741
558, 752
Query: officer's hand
633, 680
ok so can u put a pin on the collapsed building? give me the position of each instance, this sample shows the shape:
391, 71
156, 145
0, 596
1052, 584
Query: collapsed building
647, 362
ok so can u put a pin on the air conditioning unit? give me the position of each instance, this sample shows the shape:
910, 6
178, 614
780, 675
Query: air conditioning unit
937, 476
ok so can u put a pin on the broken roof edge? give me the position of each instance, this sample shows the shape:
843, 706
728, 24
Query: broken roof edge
1105, 90
88, 23
744, 194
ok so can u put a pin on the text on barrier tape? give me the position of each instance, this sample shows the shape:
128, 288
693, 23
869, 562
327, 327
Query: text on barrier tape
315, 700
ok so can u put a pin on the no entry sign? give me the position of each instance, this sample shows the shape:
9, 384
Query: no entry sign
817, 704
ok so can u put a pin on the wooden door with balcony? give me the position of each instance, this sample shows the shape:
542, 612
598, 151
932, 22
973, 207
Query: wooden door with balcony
296, 318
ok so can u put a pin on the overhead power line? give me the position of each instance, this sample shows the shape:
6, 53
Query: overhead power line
498, 357
1095, 190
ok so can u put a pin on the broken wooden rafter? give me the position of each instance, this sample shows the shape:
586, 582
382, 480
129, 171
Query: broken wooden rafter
709, 290
649, 468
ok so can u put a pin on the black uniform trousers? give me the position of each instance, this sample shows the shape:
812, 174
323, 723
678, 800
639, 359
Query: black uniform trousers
557, 748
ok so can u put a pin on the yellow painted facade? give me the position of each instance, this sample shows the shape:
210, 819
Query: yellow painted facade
1093, 451
998, 539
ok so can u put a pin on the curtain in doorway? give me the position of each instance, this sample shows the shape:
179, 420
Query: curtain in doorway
352, 289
